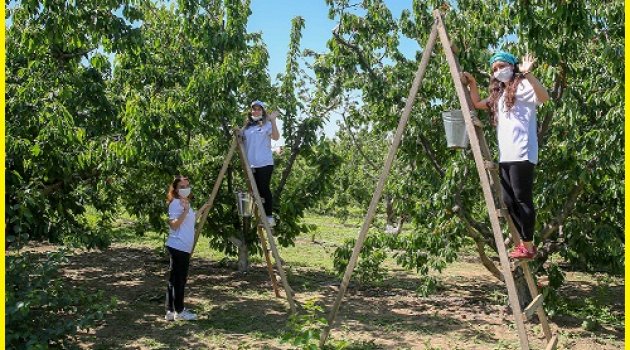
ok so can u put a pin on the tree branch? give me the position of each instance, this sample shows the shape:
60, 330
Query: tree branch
357, 144
295, 150
480, 246
556, 94
548, 247
562, 214
429, 151
48, 189
62, 55
354, 48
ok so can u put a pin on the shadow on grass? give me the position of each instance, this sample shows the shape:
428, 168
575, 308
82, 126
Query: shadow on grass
236, 308
226, 301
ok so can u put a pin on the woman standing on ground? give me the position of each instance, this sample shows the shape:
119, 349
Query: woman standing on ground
258, 133
514, 95
180, 243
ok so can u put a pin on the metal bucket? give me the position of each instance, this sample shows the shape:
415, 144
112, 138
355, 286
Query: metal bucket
244, 203
455, 129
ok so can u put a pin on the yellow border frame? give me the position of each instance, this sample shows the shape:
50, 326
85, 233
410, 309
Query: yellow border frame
626, 158
2, 177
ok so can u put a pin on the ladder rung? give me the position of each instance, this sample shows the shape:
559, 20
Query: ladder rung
490, 165
503, 212
553, 342
477, 122
532, 307
508, 241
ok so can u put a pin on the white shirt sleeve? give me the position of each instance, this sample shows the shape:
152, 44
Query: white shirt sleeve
175, 209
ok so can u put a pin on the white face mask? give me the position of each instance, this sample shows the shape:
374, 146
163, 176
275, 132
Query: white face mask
256, 118
184, 192
504, 74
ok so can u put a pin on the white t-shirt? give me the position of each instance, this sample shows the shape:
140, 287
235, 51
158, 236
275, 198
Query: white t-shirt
184, 237
258, 145
516, 128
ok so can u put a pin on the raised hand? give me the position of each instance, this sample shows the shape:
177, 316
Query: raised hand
273, 115
185, 204
527, 63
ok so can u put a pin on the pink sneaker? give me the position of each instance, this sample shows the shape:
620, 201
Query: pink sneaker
520, 252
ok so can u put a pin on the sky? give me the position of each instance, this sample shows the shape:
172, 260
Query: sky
273, 19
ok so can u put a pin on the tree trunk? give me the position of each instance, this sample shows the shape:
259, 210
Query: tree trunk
524, 297
401, 221
243, 253
389, 209
295, 150
243, 257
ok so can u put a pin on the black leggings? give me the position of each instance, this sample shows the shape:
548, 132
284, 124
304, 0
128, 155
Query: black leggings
177, 279
517, 180
263, 182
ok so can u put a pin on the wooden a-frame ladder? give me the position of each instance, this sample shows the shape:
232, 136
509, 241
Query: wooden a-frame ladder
237, 144
488, 174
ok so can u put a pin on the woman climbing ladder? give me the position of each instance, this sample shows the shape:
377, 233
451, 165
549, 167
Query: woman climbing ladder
258, 133
514, 95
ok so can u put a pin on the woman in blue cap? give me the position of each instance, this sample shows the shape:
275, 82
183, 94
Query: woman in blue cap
258, 133
514, 95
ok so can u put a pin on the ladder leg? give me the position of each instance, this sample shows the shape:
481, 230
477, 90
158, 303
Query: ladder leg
261, 213
215, 190
272, 275
381, 183
533, 290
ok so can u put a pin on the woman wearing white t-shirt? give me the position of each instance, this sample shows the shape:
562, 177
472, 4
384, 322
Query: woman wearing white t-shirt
181, 221
258, 133
514, 95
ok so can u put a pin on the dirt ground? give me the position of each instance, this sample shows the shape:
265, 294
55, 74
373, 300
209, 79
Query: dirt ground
239, 310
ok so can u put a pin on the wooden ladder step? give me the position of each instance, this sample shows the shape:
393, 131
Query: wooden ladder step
477, 122
553, 342
532, 307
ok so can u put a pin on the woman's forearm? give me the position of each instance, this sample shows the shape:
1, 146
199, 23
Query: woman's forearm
275, 134
474, 93
541, 92
175, 224
469, 80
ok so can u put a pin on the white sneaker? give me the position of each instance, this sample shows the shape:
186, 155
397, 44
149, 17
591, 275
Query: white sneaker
185, 315
271, 221
170, 316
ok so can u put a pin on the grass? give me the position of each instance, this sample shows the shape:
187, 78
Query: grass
240, 311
